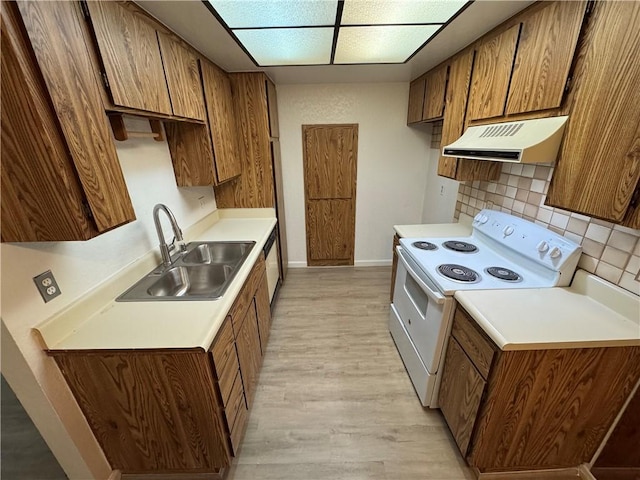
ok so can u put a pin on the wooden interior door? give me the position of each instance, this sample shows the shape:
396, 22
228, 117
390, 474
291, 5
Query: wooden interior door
330, 160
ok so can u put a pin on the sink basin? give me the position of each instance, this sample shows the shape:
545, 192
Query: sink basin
217, 252
203, 272
196, 280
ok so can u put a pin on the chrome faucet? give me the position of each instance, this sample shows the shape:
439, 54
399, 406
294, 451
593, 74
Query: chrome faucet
165, 250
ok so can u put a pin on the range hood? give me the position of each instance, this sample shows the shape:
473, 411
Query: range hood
526, 141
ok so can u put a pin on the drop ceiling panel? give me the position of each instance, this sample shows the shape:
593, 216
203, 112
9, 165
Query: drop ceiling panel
288, 46
270, 13
380, 44
374, 12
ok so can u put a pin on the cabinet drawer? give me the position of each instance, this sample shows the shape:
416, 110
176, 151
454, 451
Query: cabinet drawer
478, 348
245, 297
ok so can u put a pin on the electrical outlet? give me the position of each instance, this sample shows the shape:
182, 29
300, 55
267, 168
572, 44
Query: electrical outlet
47, 286
203, 202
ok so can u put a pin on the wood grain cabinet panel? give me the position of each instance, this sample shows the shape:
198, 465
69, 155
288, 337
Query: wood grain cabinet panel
183, 78
416, 100
540, 409
460, 394
131, 58
491, 75
222, 121
150, 412
598, 167
263, 312
272, 104
546, 48
248, 344
434, 93
61, 178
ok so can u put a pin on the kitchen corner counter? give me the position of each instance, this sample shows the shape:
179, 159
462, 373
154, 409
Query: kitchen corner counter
98, 322
589, 313
433, 230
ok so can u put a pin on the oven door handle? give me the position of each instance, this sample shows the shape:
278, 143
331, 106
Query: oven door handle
431, 292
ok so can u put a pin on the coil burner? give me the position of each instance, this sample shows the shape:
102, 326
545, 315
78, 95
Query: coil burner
458, 273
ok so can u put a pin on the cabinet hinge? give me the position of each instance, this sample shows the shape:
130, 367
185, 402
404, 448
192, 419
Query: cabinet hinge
567, 86
87, 210
635, 198
85, 9
105, 80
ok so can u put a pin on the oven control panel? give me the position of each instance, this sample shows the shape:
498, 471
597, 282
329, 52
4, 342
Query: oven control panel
526, 238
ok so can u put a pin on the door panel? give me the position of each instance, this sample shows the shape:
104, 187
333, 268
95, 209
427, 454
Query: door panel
330, 158
330, 232
330, 162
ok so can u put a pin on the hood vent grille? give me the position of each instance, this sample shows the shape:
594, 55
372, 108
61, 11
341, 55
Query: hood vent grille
508, 130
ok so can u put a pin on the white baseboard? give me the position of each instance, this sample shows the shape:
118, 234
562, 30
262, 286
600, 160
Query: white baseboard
358, 263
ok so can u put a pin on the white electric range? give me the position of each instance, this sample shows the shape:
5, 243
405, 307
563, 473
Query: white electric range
502, 252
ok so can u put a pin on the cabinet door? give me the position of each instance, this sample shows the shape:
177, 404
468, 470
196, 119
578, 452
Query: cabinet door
263, 311
76, 124
456, 106
491, 75
460, 394
545, 51
130, 54
598, 166
416, 100
217, 91
249, 355
183, 78
434, 93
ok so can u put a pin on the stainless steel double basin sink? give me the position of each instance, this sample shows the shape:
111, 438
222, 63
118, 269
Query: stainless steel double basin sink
203, 272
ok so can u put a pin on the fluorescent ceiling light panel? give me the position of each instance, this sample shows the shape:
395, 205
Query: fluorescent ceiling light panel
376, 12
276, 13
301, 32
288, 46
388, 44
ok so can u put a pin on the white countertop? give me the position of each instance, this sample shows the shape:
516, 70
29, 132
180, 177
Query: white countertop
589, 313
98, 322
433, 230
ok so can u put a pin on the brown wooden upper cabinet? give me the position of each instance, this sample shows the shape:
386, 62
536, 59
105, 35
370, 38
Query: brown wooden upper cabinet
598, 168
434, 93
272, 107
491, 75
204, 155
61, 179
183, 77
427, 96
222, 121
416, 100
130, 56
525, 68
144, 70
547, 44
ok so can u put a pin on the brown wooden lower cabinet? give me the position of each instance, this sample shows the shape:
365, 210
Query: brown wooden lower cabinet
174, 411
532, 409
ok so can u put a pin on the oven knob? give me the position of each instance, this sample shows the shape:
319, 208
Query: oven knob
555, 252
543, 246
484, 219
508, 230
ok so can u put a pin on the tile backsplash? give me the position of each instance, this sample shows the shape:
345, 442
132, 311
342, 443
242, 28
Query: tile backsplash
610, 251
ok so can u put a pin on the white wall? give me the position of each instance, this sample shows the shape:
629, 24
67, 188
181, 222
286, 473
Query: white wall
78, 267
392, 161
440, 193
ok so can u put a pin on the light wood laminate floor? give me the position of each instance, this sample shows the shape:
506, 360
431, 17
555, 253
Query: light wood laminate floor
334, 400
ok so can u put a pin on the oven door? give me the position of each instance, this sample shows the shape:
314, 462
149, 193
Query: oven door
423, 310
